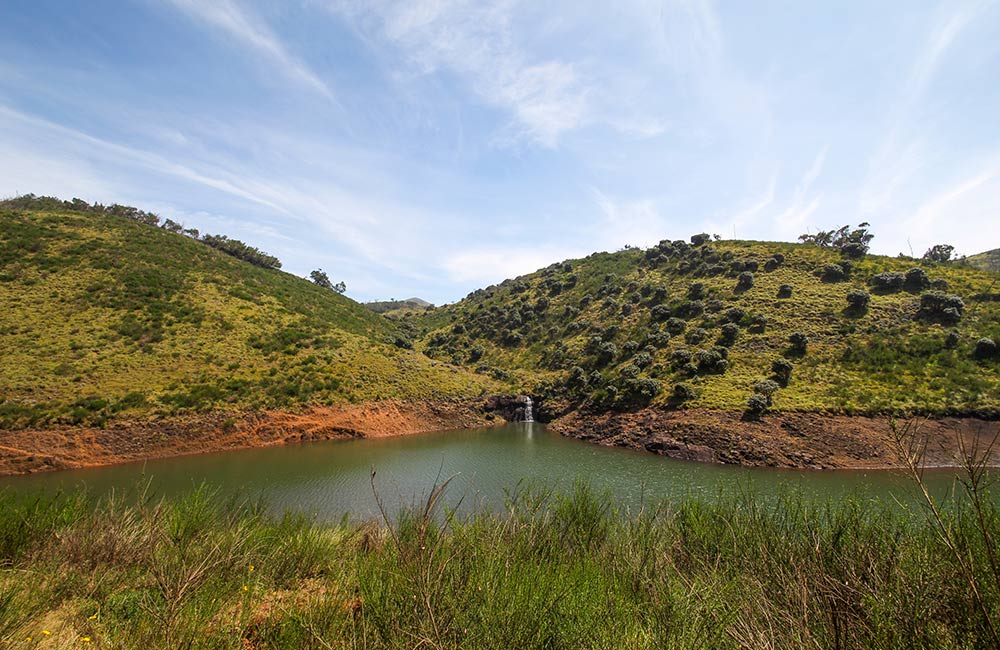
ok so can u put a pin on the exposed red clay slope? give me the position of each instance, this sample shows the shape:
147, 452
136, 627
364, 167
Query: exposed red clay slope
72, 447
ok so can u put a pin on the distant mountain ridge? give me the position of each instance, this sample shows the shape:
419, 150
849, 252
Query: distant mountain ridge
387, 306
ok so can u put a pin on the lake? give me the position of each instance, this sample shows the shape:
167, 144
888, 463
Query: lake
330, 479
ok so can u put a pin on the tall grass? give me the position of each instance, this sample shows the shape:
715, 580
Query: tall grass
552, 570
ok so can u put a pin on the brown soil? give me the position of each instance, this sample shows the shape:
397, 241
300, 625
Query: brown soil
806, 440
27, 451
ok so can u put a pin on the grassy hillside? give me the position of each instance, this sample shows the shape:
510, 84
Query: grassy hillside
108, 316
988, 261
672, 325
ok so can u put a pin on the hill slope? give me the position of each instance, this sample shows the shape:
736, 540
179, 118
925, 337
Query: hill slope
673, 327
107, 317
987, 261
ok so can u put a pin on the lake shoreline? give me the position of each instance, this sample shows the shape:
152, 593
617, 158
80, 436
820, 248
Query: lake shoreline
41, 450
780, 440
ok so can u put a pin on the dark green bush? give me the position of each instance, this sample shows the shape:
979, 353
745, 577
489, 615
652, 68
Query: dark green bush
937, 305
916, 279
833, 273
676, 326
660, 312
696, 335
680, 356
744, 281
696, 291
684, 391
888, 281
799, 342
729, 333
756, 405
986, 348
858, 300
782, 369
785, 291
733, 315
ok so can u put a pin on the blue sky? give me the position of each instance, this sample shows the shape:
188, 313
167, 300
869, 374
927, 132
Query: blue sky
430, 147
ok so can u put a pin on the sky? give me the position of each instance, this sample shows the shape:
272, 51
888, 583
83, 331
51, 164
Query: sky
431, 147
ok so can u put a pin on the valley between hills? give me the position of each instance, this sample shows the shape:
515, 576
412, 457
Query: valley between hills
125, 338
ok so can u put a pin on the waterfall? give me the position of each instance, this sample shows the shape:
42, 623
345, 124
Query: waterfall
529, 409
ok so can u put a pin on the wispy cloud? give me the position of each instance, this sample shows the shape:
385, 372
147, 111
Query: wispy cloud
545, 95
230, 19
902, 153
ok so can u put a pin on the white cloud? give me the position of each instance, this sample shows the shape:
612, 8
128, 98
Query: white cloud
903, 152
483, 266
227, 17
477, 41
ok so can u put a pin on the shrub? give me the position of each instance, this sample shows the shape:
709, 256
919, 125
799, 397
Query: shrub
684, 391
744, 281
680, 356
951, 340
626, 309
691, 309
767, 388
986, 348
659, 339
643, 360
756, 405
661, 313
639, 392
888, 281
833, 273
785, 291
751, 265
854, 250
858, 300
733, 315
696, 291
630, 371
758, 323
606, 352
729, 333
771, 264
697, 335
940, 305
700, 239
799, 342
782, 369
476, 353
629, 348
916, 279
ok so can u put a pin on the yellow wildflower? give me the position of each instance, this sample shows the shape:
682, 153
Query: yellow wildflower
246, 588
86, 639
251, 568
46, 633
92, 617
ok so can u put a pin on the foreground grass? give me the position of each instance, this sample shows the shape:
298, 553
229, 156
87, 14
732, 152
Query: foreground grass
551, 571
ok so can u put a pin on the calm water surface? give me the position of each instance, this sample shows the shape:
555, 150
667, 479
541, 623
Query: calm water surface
330, 479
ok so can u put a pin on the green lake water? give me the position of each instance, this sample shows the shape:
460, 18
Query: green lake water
330, 479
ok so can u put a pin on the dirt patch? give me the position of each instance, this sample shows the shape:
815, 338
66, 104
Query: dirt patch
804, 440
27, 451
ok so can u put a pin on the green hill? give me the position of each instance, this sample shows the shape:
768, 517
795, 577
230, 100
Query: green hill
105, 315
988, 261
673, 326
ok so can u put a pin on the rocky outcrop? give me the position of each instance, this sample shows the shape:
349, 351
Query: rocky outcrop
513, 408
